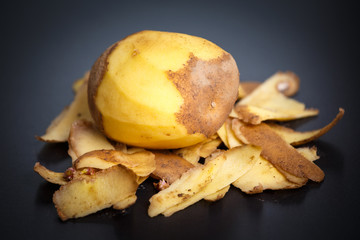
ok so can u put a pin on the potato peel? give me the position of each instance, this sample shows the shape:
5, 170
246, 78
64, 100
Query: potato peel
297, 138
88, 194
263, 175
84, 137
256, 115
169, 166
186, 186
260, 156
278, 151
228, 166
266, 102
289, 87
50, 176
141, 163
203, 149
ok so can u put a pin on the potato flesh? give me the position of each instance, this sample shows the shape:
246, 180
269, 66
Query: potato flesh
87, 195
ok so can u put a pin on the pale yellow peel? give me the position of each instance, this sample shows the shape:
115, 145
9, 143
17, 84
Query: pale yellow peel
186, 186
50, 176
141, 163
297, 138
84, 138
231, 165
263, 175
266, 102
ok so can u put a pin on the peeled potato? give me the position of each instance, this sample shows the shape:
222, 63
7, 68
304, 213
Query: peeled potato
162, 90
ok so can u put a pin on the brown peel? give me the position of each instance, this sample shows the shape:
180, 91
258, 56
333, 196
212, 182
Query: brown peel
170, 167
296, 138
277, 151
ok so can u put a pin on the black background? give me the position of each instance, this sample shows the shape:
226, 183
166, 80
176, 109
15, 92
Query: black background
46, 45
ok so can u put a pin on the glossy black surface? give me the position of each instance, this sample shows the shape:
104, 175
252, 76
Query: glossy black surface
46, 45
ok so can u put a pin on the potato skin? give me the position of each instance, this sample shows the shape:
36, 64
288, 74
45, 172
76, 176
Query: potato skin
208, 87
206, 108
95, 78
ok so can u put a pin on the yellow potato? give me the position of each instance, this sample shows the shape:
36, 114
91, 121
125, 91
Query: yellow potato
162, 90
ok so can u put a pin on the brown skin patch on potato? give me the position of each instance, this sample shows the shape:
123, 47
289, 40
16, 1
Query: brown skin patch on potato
281, 154
95, 78
209, 89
